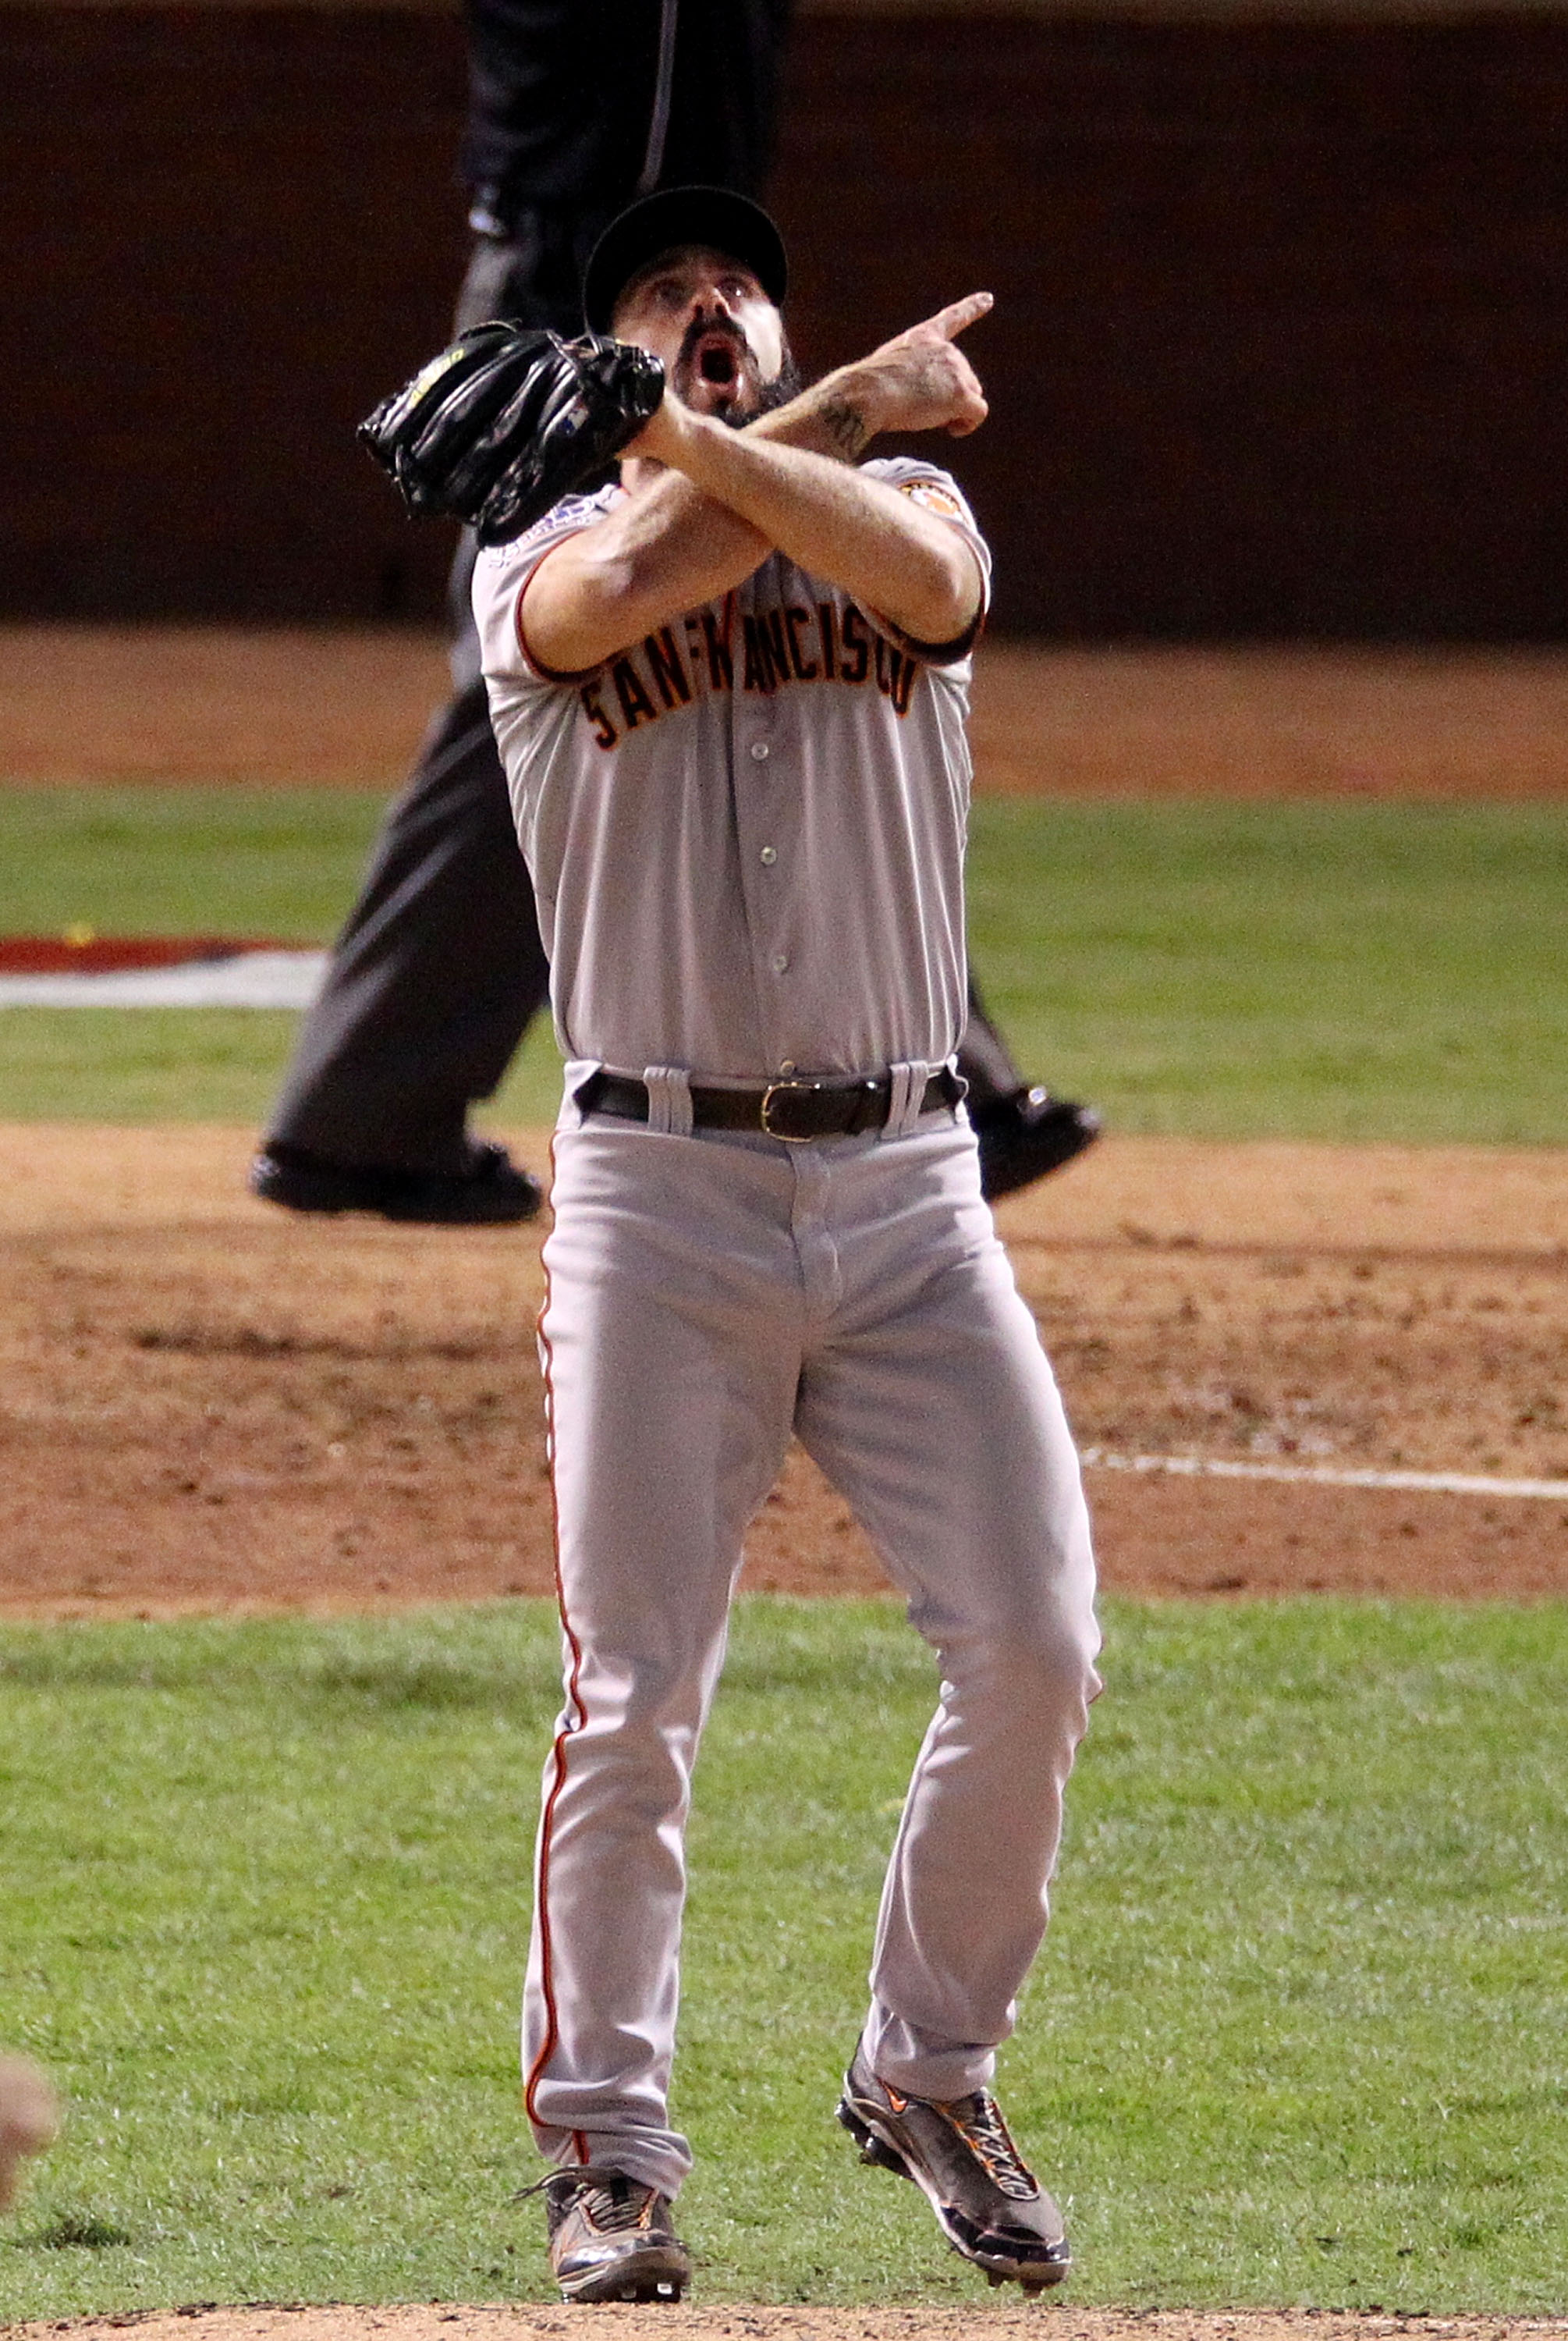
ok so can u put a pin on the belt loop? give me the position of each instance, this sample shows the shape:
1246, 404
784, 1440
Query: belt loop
906, 1097
579, 1099
668, 1099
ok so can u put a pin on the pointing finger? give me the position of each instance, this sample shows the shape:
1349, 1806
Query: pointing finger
958, 316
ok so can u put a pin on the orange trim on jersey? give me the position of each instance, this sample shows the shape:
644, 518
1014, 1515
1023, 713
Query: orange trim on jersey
952, 513
575, 1718
536, 666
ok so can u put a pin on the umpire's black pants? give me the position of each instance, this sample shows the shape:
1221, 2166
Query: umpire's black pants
439, 968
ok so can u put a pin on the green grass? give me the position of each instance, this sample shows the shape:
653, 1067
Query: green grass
136, 1065
1357, 971
1298, 2033
1306, 971
277, 863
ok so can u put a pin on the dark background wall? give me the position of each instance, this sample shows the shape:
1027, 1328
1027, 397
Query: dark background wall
1279, 346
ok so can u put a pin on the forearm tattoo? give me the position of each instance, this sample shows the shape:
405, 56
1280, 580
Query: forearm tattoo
845, 426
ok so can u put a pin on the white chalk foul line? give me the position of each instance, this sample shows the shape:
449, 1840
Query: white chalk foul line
1430, 1483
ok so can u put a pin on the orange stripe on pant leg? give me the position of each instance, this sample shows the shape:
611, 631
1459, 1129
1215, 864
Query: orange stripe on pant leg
574, 1720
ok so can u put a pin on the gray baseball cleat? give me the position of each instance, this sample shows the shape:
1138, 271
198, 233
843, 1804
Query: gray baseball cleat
610, 2238
988, 2203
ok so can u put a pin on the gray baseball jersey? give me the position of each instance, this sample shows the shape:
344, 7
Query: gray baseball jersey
746, 832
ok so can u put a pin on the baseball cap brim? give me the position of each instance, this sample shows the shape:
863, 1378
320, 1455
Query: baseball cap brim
715, 216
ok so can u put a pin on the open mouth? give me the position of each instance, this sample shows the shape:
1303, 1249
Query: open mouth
717, 360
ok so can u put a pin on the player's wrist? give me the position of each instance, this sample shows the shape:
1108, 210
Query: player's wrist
696, 444
658, 441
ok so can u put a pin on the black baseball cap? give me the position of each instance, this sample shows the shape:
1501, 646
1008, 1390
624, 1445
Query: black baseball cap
715, 216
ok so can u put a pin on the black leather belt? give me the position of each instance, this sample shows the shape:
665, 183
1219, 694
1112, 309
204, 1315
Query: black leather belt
794, 1109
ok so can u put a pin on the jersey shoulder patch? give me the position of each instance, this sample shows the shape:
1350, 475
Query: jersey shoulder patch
926, 485
933, 495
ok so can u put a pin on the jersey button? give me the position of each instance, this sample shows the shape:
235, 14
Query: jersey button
769, 854
781, 963
759, 751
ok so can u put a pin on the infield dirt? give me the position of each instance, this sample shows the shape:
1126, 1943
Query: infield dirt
208, 1404
205, 1404
434, 2322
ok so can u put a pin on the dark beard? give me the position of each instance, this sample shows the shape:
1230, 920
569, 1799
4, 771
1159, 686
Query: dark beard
786, 384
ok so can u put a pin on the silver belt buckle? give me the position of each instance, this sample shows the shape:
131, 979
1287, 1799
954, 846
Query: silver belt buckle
787, 1088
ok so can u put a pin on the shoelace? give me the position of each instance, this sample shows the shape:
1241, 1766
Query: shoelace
986, 2133
619, 2203
610, 2200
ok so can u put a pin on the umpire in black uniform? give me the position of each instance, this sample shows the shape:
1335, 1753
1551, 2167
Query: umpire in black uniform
575, 106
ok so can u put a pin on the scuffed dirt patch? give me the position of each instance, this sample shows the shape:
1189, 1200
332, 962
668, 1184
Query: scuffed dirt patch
1060, 2319
292, 706
1257, 720
207, 1404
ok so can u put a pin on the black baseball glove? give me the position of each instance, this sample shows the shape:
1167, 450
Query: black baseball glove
502, 425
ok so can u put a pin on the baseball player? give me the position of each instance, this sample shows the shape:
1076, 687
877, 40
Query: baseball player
730, 694
574, 105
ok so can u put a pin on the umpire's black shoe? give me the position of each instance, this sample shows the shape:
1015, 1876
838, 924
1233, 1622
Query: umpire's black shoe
610, 2238
1025, 1136
988, 2203
489, 1192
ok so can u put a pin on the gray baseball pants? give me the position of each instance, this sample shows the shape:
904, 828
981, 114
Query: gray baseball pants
708, 1295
